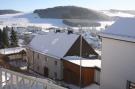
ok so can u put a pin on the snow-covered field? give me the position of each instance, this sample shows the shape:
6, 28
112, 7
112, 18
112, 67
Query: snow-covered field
29, 19
32, 19
118, 14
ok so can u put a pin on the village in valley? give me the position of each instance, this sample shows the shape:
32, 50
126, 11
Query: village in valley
55, 48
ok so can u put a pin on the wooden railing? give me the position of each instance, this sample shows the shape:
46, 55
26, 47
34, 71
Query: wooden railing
13, 80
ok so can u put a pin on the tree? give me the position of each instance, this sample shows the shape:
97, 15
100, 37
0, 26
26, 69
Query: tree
13, 38
5, 40
1, 39
7, 28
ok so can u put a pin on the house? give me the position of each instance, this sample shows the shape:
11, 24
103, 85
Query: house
14, 53
118, 55
45, 52
90, 70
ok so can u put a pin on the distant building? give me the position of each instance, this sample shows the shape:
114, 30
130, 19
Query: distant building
118, 55
45, 52
14, 53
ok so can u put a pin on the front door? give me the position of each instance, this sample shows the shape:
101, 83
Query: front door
46, 71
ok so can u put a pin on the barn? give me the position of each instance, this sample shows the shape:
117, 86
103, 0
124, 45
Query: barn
90, 70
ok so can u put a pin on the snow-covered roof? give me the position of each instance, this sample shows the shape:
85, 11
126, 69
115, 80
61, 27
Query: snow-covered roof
8, 51
85, 62
123, 29
56, 44
98, 52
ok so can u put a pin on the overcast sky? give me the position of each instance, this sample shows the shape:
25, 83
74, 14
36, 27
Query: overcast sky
30, 5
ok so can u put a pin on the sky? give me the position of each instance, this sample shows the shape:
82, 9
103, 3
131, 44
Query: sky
30, 5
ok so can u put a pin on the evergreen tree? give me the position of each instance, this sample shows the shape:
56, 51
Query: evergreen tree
7, 28
1, 39
5, 39
13, 38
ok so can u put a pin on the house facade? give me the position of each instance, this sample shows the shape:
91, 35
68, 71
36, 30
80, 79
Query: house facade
44, 64
118, 58
45, 53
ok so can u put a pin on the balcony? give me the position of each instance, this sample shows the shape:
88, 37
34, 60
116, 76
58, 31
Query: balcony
13, 80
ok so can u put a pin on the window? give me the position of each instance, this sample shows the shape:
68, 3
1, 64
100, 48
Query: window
55, 75
55, 62
38, 56
37, 67
130, 85
46, 59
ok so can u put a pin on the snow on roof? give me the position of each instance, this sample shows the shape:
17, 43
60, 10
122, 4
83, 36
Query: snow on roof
98, 52
123, 29
56, 44
85, 62
7, 51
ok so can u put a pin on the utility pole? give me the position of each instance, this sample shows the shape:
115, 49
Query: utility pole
80, 30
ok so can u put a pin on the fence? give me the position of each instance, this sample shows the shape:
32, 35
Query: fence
13, 80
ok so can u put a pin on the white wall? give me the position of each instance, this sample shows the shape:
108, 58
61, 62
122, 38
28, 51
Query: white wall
97, 76
118, 63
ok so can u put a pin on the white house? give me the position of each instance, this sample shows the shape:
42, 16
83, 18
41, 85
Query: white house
45, 52
118, 55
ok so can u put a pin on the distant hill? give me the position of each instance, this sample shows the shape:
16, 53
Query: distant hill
84, 23
8, 12
71, 12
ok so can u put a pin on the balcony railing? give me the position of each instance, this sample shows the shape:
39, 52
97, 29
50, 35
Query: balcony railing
130, 85
13, 80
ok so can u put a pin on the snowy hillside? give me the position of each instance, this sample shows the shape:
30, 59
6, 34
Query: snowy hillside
117, 13
25, 19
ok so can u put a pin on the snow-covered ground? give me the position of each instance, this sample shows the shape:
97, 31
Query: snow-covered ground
29, 19
118, 14
92, 86
32, 19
